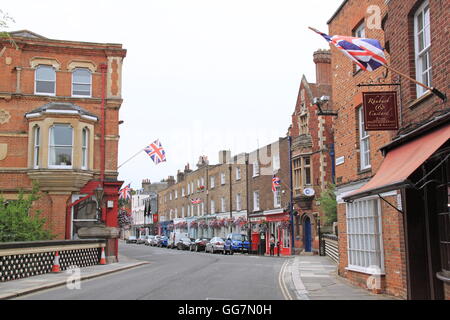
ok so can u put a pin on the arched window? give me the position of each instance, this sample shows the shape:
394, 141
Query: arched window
85, 148
81, 82
36, 146
45, 80
60, 146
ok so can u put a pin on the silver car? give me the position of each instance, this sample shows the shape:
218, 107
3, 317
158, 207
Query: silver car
216, 244
149, 240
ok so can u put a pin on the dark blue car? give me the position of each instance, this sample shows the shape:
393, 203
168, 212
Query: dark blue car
239, 242
163, 242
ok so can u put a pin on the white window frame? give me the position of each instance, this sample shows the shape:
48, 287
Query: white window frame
188, 211
365, 236
212, 182
238, 173
176, 194
182, 192
50, 147
255, 169
36, 80
363, 136
256, 204
276, 162
238, 202
90, 84
360, 32
222, 204
277, 197
36, 146
189, 189
222, 179
423, 10
213, 207
182, 211
85, 149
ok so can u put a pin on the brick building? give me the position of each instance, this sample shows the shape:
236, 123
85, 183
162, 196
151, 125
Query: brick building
268, 210
312, 153
406, 189
370, 230
247, 205
59, 127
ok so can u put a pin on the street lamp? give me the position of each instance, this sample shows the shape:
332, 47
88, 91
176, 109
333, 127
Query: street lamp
317, 216
319, 102
99, 193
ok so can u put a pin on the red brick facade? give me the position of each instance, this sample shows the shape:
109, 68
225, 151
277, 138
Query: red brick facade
22, 110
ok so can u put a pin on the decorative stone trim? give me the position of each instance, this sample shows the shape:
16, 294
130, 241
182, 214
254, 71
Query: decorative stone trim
81, 64
5, 116
35, 61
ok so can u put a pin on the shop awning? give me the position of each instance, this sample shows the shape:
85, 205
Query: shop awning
401, 162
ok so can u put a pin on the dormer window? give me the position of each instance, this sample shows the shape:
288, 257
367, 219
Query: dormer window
45, 80
60, 146
81, 82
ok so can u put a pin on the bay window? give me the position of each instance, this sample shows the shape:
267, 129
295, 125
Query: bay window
60, 146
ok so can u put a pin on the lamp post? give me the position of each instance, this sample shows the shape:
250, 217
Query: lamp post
99, 193
317, 216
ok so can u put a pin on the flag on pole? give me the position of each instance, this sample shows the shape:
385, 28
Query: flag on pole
125, 192
156, 152
367, 53
275, 183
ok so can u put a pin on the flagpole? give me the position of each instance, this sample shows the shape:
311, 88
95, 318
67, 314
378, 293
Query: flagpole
131, 157
433, 90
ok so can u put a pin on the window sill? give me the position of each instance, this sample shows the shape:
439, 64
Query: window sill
365, 271
414, 104
364, 171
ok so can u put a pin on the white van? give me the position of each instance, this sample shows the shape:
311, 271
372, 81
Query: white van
175, 237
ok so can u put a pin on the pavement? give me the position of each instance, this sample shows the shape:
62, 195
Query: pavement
17, 288
316, 278
300, 277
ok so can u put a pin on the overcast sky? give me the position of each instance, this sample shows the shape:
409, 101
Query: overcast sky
200, 75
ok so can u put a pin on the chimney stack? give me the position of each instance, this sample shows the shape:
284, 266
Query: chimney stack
322, 59
170, 181
224, 156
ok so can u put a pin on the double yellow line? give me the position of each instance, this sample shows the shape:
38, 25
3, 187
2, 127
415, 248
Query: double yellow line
283, 287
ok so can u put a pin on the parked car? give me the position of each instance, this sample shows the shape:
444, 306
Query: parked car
199, 244
141, 239
162, 241
155, 241
228, 246
240, 242
148, 241
175, 237
216, 244
131, 239
184, 244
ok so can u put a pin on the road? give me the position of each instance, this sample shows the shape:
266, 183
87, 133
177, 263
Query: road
182, 275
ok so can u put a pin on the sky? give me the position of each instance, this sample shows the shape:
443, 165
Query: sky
200, 75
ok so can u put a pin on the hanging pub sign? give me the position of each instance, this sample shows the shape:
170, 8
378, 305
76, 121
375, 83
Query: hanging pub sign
380, 111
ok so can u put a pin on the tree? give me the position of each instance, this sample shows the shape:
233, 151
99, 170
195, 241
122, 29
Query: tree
18, 222
329, 204
5, 19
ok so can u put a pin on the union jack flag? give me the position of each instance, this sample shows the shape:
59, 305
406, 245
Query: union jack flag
125, 192
156, 152
196, 201
367, 53
275, 183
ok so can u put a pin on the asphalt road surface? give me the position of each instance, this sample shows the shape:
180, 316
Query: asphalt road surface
183, 275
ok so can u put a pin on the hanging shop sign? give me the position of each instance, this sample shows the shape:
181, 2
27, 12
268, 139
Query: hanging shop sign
380, 111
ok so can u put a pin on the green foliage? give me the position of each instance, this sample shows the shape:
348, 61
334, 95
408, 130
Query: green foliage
5, 19
329, 204
18, 223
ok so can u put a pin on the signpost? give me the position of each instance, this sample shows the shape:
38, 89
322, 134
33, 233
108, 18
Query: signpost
380, 111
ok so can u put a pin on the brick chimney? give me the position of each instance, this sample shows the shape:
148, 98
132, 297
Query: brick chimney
322, 59
170, 181
180, 176
224, 156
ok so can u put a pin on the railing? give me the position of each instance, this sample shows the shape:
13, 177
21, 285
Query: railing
330, 242
26, 259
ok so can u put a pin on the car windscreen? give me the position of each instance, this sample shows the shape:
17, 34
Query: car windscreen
239, 237
185, 239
